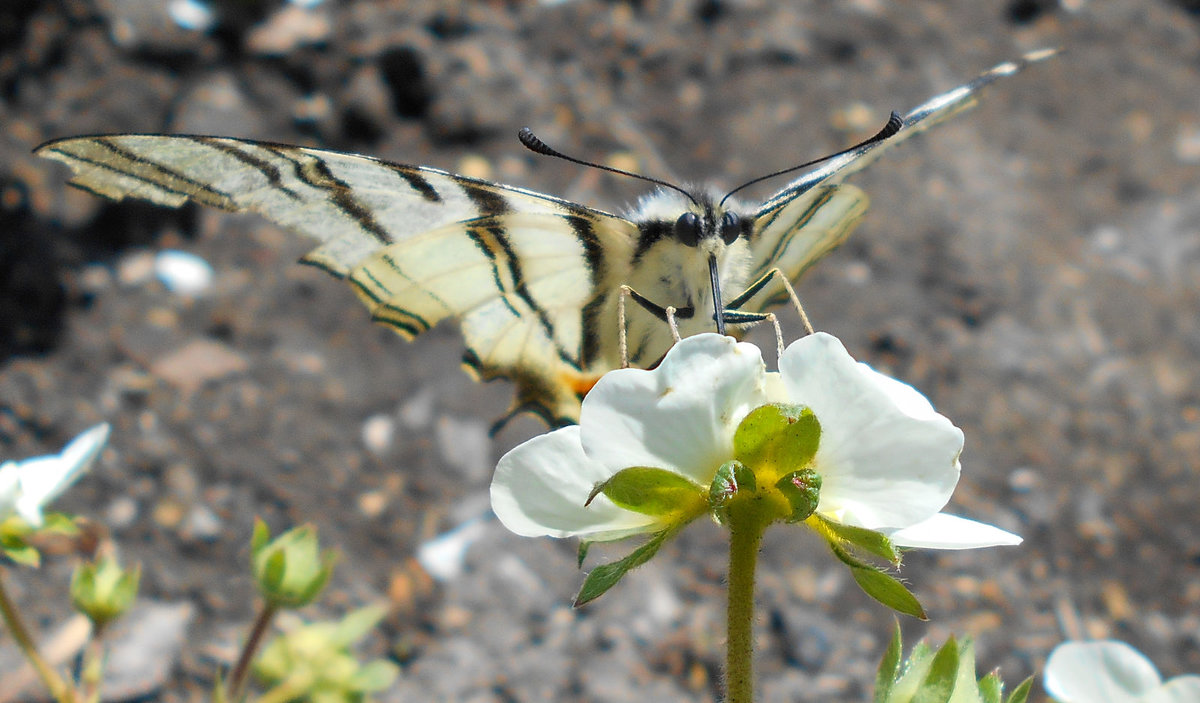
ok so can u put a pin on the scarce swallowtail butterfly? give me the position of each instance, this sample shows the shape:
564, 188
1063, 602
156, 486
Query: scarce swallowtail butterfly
534, 281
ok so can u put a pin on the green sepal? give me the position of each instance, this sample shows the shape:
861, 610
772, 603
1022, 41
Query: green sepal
605, 576
869, 541
732, 477
879, 585
889, 667
991, 688
1020, 694
59, 524
889, 591
777, 439
803, 492
947, 676
16, 549
290, 571
260, 536
938, 683
584, 546
652, 491
103, 591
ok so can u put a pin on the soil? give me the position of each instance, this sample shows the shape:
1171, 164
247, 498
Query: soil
1032, 266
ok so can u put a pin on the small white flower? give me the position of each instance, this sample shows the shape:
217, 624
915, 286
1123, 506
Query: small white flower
26, 487
1108, 671
887, 460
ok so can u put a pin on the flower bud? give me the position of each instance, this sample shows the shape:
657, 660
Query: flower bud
290, 570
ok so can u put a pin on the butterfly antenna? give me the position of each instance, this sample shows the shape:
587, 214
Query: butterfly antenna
537, 146
894, 123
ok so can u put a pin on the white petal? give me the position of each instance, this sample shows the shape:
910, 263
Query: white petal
944, 531
44, 478
680, 416
10, 487
887, 459
1103, 671
1181, 689
540, 488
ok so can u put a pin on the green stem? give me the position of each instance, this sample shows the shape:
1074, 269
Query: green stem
746, 531
237, 680
54, 683
92, 674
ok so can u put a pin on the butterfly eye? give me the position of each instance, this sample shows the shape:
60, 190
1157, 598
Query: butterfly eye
687, 229
731, 227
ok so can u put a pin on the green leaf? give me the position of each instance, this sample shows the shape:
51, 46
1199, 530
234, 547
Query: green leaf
777, 439
869, 541
1020, 694
605, 576
889, 668
938, 684
375, 675
356, 624
655, 492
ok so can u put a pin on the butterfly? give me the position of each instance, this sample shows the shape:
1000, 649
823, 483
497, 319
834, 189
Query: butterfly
536, 283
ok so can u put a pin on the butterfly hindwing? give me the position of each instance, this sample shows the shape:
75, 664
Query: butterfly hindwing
519, 284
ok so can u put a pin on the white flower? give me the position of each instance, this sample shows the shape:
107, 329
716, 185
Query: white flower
888, 462
26, 487
1108, 671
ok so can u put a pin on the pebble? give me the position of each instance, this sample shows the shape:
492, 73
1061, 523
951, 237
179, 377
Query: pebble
183, 273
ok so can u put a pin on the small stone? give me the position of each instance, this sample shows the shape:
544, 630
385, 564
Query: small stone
197, 363
144, 649
378, 433
183, 273
121, 513
201, 525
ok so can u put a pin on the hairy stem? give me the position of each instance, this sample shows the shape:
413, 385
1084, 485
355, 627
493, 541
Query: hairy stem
746, 531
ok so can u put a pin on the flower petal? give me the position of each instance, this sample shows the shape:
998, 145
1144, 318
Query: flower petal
888, 459
680, 416
1181, 689
944, 531
1103, 671
540, 488
44, 478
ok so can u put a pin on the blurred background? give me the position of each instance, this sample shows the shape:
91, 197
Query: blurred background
1031, 266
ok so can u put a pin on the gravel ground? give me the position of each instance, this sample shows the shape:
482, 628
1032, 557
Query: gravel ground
1032, 267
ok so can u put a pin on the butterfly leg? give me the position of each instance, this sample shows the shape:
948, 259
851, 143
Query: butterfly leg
623, 332
669, 315
758, 285
672, 323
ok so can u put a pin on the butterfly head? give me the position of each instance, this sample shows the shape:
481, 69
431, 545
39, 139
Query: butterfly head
689, 250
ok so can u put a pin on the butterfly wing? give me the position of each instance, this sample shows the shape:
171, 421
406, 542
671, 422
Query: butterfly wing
526, 288
518, 268
815, 213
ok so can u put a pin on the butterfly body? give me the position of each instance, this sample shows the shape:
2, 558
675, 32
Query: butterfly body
535, 281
